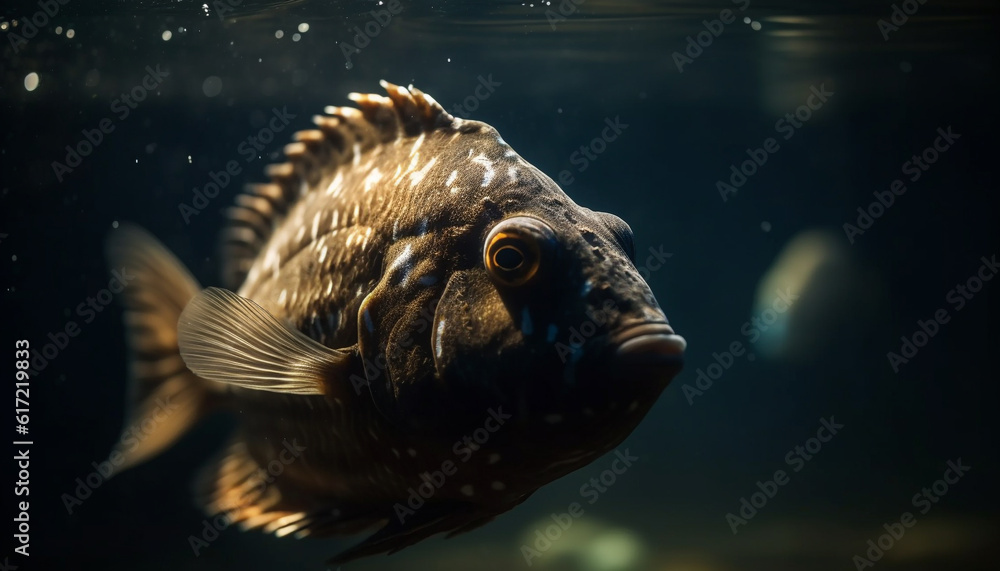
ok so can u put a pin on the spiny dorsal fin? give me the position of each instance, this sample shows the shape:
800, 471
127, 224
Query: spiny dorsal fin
314, 157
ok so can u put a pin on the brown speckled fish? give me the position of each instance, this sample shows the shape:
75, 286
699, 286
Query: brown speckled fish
421, 330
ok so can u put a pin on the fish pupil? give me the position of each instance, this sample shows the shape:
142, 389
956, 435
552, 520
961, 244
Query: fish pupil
508, 258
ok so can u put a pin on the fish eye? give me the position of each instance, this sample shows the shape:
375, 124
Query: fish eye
516, 248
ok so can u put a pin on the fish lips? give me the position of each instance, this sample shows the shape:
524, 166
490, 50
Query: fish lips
647, 352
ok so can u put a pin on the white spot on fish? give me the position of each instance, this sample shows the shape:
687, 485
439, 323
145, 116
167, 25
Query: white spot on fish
272, 259
467, 490
451, 178
501, 141
587, 286
336, 218
335, 185
417, 143
417, 177
395, 230
403, 261
526, 327
411, 452
315, 228
283, 296
498, 486
552, 332
368, 233
372, 179
488, 165
329, 287
413, 164
322, 254
357, 154
510, 153
437, 342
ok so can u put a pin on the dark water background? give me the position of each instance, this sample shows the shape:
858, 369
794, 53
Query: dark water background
557, 85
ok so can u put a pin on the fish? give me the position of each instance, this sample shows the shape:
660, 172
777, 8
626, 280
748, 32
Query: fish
415, 327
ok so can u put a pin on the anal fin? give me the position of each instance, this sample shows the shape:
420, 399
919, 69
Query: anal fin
239, 486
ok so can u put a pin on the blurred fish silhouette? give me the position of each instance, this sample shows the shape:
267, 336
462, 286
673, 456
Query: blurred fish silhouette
402, 334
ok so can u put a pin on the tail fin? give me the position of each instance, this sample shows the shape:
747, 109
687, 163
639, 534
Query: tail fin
165, 398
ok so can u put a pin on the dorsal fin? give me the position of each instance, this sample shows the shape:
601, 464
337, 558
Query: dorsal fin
313, 159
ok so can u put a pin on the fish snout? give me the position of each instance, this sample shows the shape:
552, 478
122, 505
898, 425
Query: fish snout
648, 349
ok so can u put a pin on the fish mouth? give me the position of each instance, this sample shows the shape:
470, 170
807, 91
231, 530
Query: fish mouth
649, 344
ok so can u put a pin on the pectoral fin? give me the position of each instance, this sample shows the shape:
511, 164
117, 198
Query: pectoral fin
230, 339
